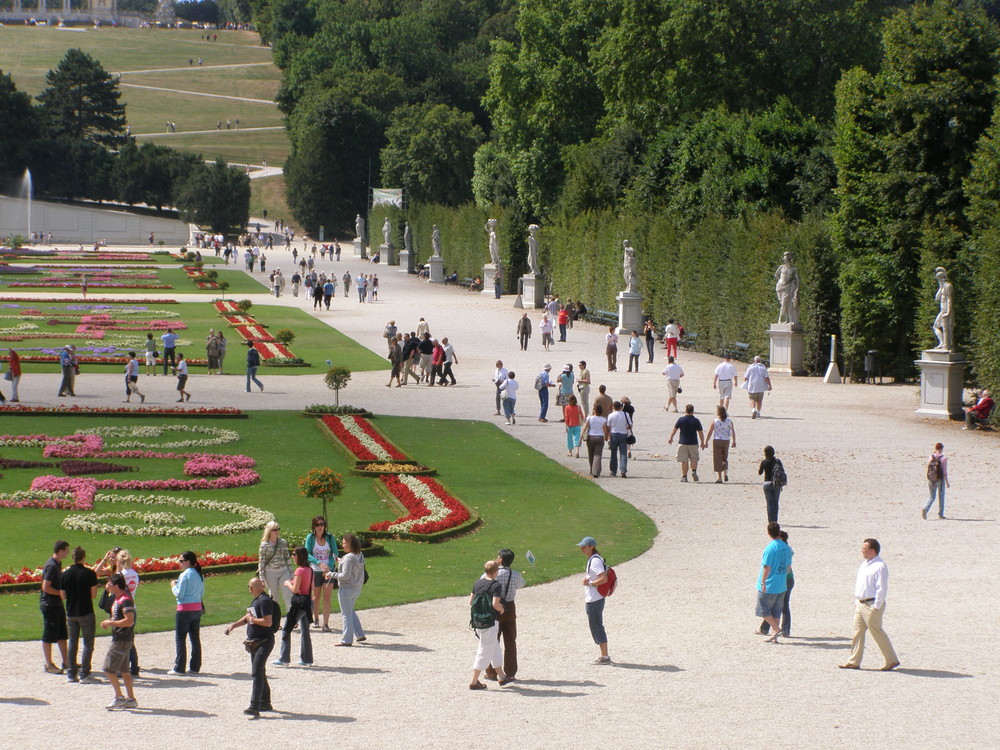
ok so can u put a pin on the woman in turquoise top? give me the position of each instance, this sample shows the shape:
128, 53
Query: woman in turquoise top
322, 549
189, 589
565, 386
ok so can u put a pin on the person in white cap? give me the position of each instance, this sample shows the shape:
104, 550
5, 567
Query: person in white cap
596, 575
542, 384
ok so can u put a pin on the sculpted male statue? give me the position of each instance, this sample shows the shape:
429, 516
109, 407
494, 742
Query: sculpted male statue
787, 289
944, 323
436, 241
630, 268
387, 232
359, 227
491, 230
533, 250
407, 239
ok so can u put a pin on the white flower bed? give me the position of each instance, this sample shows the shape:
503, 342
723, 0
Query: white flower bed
380, 453
218, 436
433, 503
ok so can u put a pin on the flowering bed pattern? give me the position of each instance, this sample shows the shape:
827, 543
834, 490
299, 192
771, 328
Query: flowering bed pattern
143, 566
250, 330
138, 411
430, 508
98, 277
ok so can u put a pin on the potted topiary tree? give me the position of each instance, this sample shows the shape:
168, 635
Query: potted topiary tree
324, 484
244, 305
286, 336
337, 378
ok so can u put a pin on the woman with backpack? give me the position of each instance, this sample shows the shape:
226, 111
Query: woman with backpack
772, 483
299, 612
937, 479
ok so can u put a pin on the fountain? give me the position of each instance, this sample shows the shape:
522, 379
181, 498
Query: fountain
26, 194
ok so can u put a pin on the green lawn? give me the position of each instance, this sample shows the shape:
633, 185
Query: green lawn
239, 283
526, 502
245, 147
315, 341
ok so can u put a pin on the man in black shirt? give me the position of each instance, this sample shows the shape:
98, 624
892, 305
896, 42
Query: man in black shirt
53, 614
79, 587
258, 620
692, 436
122, 624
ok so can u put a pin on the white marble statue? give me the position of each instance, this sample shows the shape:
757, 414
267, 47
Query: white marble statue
359, 228
944, 323
387, 232
436, 241
631, 268
491, 230
533, 266
787, 289
407, 239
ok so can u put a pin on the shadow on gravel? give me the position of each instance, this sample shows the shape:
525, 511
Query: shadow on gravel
529, 693
648, 667
307, 717
398, 647
938, 673
969, 520
25, 701
345, 670
172, 682
383, 632
791, 526
184, 713
241, 676
560, 683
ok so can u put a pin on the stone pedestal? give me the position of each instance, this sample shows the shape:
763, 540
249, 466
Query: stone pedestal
387, 255
533, 291
629, 313
786, 349
437, 269
489, 271
359, 249
941, 377
406, 261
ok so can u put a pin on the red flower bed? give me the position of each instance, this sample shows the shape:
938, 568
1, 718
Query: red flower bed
226, 306
76, 284
457, 513
141, 411
93, 360
254, 332
355, 446
147, 565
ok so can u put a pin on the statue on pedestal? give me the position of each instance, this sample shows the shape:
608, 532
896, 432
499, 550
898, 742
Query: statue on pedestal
787, 289
436, 241
944, 323
533, 266
491, 230
359, 228
407, 239
630, 268
387, 232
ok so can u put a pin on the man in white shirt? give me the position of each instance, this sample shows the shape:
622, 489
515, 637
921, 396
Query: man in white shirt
510, 582
619, 426
499, 378
870, 591
725, 376
756, 380
673, 373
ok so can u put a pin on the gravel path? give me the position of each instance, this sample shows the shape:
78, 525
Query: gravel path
689, 672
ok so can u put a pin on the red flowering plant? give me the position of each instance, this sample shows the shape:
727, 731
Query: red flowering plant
323, 483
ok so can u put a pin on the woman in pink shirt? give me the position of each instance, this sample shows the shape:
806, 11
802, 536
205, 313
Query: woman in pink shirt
299, 612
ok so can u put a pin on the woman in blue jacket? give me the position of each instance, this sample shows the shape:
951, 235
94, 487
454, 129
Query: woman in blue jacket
189, 589
322, 549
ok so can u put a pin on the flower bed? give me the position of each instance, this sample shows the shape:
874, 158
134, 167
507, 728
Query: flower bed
221, 412
361, 439
76, 284
318, 410
216, 436
431, 509
91, 300
380, 468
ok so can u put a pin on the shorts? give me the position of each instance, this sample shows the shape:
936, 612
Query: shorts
54, 624
759, 397
181, 382
150, 359
672, 387
725, 389
117, 657
770, 605
319, 579
425, 362
687, 453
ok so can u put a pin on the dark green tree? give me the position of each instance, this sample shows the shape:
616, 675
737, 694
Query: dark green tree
216, 197
18, 128
82, 101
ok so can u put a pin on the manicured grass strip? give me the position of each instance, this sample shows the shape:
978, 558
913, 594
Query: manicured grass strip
526, 502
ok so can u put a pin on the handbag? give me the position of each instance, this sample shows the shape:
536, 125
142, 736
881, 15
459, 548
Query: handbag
156, 355
8, 375
107, 601
562, 399
630, 440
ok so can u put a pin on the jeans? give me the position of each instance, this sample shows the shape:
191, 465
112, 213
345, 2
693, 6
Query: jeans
524, 340
619, 453
187, 623
633, 359
66, 386
786, 614
447, 374
508, 407
573, 437
595, 617
85, 626
260, 697
649, 348
168, 356
361, 294
252, 375
936, 488
301, 616
543, 401
498, 399
562, 332
346, 597
595, 449
771, 494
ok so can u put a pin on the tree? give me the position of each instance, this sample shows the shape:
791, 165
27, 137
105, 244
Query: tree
430, 153
325, 484
82, 101
335, 379
216, 197
18, 127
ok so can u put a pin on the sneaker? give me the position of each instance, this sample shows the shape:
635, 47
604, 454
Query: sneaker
602, 660
175, 673
89, 680
267, 707
923, 513
72, 678
684, 478
694, 475
753, 414
305, 663
53, 669
507, 422
513, 420
280, 663
142, 398
116, 704
130, 703
251, 711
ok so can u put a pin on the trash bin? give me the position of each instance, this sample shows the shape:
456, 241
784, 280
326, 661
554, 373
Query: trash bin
871, 365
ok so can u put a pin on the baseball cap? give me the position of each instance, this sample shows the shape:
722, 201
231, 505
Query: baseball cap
587, 541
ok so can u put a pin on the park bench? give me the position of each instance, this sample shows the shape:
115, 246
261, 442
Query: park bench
739, 351
602, 317
688, 341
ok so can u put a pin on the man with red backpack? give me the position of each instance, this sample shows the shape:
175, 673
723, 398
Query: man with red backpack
599, 582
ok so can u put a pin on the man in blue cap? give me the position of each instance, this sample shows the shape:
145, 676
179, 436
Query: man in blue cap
596, 575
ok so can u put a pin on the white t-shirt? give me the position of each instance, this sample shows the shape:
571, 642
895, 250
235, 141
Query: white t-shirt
674, 371
672, 331
182, 367
725, 371
322, 554
500, 375
512, 386
595, 568
618, 422
723, 429
131, 580
595, 426
756, 375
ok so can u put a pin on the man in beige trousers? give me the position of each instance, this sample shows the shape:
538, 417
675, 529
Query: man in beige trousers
870, 591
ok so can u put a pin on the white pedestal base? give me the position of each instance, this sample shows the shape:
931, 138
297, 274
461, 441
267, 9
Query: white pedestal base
532, 291
406, 261
387, 255
437, 269
489, 271
359, 249
942, 375
629, 313
786, 349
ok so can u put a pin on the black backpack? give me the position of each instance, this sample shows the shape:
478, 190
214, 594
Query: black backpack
778, 476
483, 614
275, 616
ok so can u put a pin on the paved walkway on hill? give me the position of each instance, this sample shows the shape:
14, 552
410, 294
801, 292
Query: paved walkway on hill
689, 671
